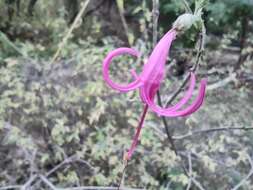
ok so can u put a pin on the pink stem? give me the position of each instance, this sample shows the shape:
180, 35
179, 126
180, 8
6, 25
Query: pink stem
137, 134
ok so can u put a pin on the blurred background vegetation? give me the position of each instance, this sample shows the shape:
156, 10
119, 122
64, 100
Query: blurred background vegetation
61, 121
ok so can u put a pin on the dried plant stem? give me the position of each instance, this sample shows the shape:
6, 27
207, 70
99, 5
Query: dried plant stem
155, 15
123, 20
73, 26
187, 7
122, 175
4, 38
200, 51
74, 188
190, 172
166, 126
193, 133
192, 180
47, 182
11, 187
68, 160
244, 180
99, 188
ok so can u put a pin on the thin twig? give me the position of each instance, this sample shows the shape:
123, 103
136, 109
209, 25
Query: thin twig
75, 188
6, 40
98, 188
155, 15
210, 87
96, 8
190, 171
85, 163
181, 87
187, 7
198, 132
244, 180
222, 83
122, 175
197, 184
123, 20
46, 181
190, 175
177, 92
160, 133
68, 160
11, 187
29, 182
64, 40
193, 69
166, 126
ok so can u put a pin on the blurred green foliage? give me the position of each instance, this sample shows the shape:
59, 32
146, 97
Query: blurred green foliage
65, 109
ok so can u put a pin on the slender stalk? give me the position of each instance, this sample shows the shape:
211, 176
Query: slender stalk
6, 40
134, 143
200, 51
244, 180
65, 39
187, 6
122, 175
137, 134
155, 15
123, 20
199, 132
166, 126
244, 32
11, 187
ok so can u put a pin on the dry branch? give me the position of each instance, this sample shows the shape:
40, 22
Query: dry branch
198, 132
64, 40
244, 180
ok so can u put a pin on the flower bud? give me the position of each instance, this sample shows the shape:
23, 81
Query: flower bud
184, 22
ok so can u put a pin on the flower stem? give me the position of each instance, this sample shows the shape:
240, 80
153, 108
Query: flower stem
137, 134
129, 154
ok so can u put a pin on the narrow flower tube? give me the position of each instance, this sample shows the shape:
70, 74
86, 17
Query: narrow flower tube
137, 134
154, 69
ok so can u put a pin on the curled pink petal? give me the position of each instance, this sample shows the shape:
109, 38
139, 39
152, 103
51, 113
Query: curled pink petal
187, 95
182, 102
169, 112
106, 64
198, 101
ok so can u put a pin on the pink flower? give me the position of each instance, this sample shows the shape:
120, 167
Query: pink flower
148, 82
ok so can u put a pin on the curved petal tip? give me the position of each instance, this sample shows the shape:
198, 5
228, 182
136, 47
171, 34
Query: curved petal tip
106, 64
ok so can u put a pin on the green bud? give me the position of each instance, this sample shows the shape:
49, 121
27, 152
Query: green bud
185, 21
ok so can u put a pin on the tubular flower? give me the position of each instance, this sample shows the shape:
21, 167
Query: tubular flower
149, 80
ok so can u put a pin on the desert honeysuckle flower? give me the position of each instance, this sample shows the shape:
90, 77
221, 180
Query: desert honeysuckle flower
149, 80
